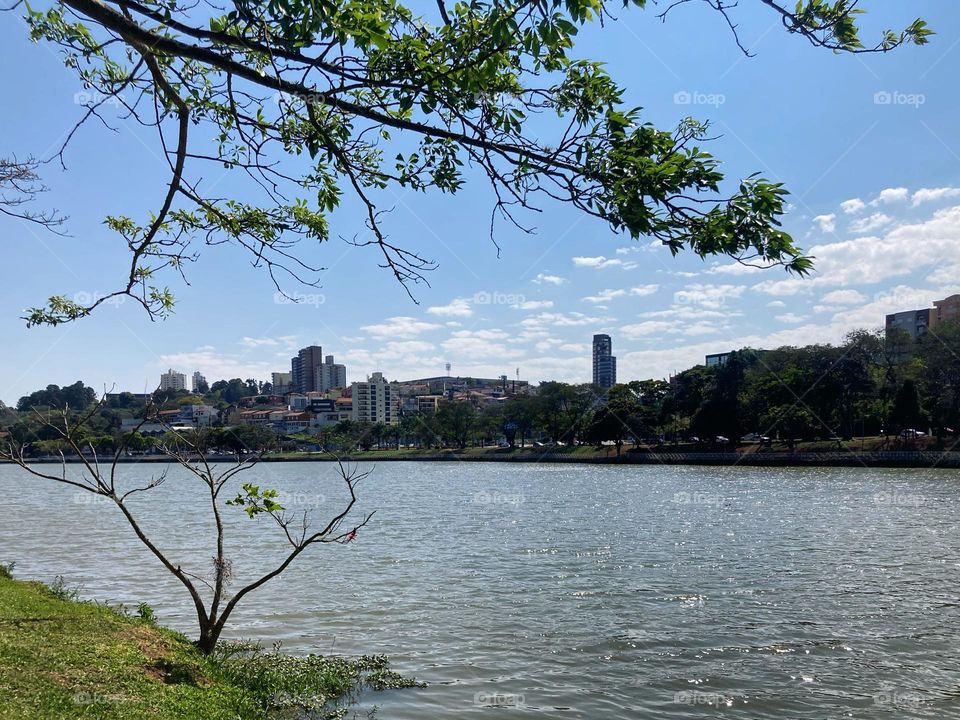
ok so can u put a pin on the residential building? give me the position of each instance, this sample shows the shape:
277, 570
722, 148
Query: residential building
332, 375
373, 401
197, 381
912, 322
298, 402
305, 369
173, 380
945, 310
187, 416
428, 403
197, 415
604, 362
717, 359
281, 382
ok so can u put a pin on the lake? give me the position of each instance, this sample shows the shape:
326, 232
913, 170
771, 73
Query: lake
566, 591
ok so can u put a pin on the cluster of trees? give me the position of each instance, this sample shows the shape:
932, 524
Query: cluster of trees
871, 384
77, 396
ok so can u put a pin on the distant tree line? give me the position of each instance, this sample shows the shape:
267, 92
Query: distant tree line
870, 384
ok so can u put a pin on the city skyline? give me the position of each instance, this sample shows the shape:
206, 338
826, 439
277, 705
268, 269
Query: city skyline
881, 219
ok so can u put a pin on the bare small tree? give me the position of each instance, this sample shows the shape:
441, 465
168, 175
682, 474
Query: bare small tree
214, 607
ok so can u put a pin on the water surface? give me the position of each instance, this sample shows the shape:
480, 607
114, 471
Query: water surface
564, 591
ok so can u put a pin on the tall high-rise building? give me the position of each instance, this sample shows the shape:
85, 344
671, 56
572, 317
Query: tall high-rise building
374, 401
173, 380
305, 369
332, 375
197, 381
604, 363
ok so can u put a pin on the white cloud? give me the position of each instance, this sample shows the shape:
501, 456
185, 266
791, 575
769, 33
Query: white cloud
891, 195
869, 224
776, 304
550, 320
220, 366
605, 296
582, 348
934, 194
905, 249
648, 327
643, 290
600, 262
458, 307
408, 346
827, 223
791, 318
491, 334
843, 297
534, 305
608, 295
701, 327
708, 296
549, 279
399, 327
473, 347
852, 206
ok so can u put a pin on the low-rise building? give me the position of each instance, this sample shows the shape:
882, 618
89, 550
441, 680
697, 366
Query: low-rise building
945, 310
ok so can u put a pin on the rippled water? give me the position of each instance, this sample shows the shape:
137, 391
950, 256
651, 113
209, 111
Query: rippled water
573, 591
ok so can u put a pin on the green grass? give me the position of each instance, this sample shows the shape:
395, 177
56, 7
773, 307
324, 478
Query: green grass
60, 658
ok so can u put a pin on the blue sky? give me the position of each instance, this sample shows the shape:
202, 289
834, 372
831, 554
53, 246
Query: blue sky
868, 145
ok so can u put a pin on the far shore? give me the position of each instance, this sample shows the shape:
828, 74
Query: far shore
604, 456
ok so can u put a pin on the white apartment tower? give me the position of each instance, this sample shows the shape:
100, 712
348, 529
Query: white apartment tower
196, 381
373, 401
173, 380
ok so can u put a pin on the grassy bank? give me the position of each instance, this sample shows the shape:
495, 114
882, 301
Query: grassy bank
60, 658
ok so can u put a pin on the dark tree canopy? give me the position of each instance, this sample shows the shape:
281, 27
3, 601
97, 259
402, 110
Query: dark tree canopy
76, 397
312, 100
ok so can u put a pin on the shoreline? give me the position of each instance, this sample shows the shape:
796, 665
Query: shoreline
871, 459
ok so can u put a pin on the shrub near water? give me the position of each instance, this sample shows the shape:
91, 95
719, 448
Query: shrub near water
282, 682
